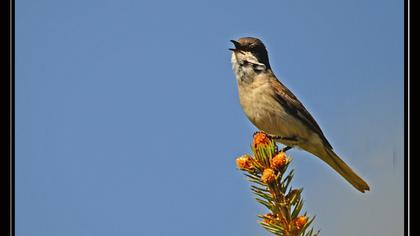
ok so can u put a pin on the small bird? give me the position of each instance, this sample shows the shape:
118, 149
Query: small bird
274, 109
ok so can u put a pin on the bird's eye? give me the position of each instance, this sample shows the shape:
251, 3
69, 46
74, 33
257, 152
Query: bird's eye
245, 62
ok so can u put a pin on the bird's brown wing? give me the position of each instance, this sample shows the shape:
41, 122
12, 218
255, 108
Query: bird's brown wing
294, 107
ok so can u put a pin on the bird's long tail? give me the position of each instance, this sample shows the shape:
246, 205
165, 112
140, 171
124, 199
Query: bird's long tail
343, 169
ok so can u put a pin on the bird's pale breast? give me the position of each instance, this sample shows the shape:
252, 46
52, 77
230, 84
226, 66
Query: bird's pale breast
257, 101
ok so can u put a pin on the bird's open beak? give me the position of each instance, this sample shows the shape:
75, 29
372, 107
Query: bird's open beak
237, 46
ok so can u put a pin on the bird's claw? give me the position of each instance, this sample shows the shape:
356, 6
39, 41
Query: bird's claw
283, 138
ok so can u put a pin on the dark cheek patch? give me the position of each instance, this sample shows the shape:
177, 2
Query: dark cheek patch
244, 63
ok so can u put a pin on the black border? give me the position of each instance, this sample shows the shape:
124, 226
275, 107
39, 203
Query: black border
407, 120
11, 126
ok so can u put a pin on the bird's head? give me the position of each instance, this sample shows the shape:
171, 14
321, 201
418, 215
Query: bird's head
250, 51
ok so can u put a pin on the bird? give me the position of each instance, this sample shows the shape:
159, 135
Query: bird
274, 109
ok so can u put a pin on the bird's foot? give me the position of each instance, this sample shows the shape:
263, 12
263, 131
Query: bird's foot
285, 149
280, 138
275, 137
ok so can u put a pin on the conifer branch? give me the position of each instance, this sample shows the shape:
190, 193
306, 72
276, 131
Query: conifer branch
271, 183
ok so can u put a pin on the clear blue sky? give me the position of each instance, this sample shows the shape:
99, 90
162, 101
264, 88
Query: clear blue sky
128, 120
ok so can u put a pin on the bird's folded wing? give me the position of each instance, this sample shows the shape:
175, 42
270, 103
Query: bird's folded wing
294, 107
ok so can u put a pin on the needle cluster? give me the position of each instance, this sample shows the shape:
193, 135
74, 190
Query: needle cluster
267, 170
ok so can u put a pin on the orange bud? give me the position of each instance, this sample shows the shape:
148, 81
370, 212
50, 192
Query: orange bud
279, 161
268, 176
300, 222
260, 139
244, 162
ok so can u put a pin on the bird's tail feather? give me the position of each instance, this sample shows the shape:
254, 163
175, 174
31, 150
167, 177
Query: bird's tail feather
343, 169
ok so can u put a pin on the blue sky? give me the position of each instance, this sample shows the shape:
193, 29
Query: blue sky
128, 120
